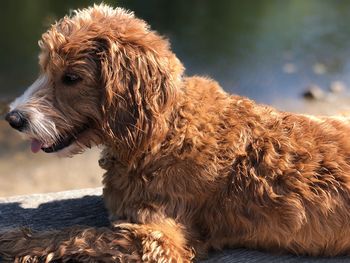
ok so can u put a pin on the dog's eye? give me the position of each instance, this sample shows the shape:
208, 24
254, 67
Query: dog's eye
70, 79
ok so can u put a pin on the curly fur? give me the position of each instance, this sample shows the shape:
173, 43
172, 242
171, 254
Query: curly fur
189, 168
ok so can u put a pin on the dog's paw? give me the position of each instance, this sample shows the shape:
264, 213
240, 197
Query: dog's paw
154, 244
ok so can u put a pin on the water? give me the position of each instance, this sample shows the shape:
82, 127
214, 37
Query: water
263, 49
268, 50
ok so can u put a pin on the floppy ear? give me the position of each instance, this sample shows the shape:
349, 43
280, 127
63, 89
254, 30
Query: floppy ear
140, 86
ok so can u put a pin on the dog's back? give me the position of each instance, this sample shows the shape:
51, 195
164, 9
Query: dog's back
277, 180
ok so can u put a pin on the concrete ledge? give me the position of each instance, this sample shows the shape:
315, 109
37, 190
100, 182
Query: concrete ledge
85, 207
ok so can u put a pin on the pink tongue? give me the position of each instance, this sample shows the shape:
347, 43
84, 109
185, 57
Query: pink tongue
36, 145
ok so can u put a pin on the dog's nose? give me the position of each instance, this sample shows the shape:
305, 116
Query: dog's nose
16, 120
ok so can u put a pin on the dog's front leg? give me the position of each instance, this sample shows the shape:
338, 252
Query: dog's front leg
158, 242
74, 244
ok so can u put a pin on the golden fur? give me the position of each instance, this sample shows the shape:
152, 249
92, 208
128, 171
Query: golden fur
189, 168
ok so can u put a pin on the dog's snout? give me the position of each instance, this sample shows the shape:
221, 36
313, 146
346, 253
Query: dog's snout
16, 119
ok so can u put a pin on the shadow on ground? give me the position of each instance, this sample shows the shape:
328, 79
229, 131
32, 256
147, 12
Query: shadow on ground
40, 214
88, 211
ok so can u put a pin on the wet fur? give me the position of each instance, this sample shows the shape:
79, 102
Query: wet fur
188, 167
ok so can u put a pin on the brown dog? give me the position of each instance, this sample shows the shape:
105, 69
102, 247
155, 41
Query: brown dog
188, 167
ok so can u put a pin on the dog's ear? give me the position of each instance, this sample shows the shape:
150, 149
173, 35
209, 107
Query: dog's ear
140, 84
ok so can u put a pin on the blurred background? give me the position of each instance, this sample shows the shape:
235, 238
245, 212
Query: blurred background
292, 54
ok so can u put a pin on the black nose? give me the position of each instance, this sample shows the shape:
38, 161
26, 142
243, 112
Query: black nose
16, 120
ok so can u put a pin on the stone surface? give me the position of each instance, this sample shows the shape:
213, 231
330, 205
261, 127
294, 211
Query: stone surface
85, 207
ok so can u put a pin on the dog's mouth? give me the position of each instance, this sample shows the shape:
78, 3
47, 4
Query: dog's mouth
62, 143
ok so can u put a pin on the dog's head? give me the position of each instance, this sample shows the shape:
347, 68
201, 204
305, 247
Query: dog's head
105, 77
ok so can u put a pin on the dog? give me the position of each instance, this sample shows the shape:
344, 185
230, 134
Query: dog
189, 168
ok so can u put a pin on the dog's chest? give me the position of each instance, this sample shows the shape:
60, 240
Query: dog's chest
165, 190
131, 195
